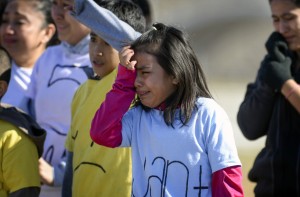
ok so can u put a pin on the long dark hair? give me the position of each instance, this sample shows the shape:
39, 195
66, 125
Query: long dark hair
175, 55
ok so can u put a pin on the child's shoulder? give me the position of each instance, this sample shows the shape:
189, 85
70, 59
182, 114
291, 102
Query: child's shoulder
206, 102
209, 106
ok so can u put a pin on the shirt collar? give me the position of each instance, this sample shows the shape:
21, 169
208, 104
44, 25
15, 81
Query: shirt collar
81, 48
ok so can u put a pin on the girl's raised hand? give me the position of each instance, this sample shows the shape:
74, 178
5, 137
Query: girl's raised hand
125, 58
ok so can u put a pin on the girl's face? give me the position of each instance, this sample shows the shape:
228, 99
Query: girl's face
22, 32
104, 58
68, 28
286, 20
153, 85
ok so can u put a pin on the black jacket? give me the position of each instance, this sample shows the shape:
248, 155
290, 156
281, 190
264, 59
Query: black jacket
276, 169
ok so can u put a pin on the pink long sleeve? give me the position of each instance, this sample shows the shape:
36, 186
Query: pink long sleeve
107, 123
228, 182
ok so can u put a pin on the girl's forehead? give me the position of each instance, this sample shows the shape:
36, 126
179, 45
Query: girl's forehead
144, 55
145, 61
144, 58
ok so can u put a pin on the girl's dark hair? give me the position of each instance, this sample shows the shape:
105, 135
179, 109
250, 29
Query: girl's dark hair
175, 55
296, 2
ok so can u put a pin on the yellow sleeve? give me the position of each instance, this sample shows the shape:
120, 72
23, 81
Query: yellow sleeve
20, 161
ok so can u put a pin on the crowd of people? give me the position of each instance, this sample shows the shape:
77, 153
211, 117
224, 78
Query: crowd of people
97, 100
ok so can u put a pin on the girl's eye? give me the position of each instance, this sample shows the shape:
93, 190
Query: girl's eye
145, 72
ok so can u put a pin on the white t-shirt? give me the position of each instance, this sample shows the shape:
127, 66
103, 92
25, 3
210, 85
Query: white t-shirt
178, 161
18, 85
55, 78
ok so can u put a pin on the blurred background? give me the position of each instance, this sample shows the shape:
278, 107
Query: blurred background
228, 37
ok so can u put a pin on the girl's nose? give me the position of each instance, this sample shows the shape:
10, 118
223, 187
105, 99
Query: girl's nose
138, 82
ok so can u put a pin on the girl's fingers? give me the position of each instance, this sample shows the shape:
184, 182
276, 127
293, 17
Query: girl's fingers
125, 57
124, 49
131, 65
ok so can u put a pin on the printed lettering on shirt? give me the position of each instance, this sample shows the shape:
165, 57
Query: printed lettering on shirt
163, 180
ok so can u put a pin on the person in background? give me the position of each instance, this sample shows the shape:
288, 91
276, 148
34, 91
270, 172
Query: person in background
271, 106
102, 169
21, 145
26, 30
5, 71
55, 78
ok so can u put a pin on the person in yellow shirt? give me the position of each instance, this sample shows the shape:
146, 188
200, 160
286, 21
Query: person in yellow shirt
93, 170
21, 145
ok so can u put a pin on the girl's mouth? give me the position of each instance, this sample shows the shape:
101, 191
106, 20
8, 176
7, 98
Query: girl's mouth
142, 94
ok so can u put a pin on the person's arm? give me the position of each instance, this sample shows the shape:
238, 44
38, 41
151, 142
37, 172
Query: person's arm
103, 22
227, 182
68, 177
256, 109
46, 172
291, 91
107, 122
52, 175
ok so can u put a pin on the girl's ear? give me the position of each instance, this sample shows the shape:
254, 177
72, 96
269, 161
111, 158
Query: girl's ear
49, 32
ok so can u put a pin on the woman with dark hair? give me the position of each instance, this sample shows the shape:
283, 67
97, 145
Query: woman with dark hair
26, 30
272, 105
